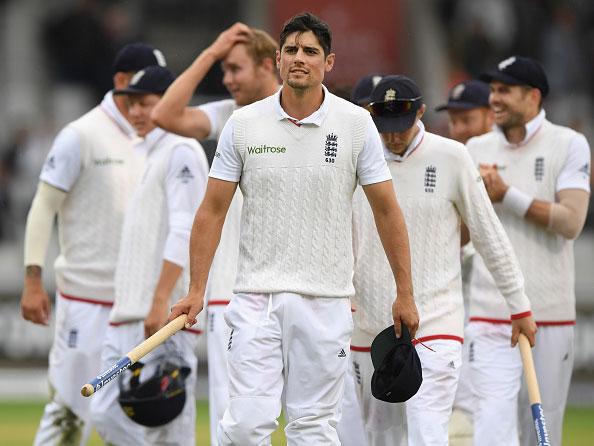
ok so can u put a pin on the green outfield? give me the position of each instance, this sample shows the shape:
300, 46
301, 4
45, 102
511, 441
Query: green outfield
18, 421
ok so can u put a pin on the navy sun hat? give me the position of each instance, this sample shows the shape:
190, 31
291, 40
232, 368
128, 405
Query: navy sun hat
518, 70
362, 91
394, 103
150, 80
397, 372
135, 56
466, 96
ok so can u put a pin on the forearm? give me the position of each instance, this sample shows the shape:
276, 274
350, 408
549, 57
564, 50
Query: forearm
170, 273
565, 217
39, 225
170, 113
204, 240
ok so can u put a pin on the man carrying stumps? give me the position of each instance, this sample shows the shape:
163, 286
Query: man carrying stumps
297, 157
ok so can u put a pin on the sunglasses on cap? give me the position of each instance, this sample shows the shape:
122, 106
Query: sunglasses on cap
393, 108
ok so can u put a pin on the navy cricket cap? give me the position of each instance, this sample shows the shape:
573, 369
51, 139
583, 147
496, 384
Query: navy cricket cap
518, 70
398, 374
151, 80
467, 95
362, 91
394, 103
135, 56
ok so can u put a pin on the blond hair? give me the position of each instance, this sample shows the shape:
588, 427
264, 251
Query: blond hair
261, 46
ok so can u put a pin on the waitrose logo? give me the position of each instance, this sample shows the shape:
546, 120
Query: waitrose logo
257, 150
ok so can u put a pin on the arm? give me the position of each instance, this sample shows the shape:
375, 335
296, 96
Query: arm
172, 112
205, 237
35, 306
492, 243
157, 317
391, 228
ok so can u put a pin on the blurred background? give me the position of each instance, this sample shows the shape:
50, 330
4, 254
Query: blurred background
56, 64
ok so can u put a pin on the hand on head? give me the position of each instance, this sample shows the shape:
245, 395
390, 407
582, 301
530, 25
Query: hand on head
238, 33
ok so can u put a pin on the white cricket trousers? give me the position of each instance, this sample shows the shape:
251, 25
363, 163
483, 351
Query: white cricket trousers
217, 338
553, 360
112, 424
384, 423
428, 412
351, 431
496, 374
74, 359
292, 343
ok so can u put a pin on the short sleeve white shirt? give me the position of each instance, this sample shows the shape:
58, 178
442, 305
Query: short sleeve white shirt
218, 113
63, 163
371, 165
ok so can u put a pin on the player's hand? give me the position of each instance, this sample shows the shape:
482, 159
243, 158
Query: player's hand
404, 311
157, 317
238, 33
527, 326
35, 304
191, 305
496, 187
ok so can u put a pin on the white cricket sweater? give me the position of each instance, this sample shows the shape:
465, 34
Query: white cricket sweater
297, 184
90, 219
144, 234
546, 259
436, 185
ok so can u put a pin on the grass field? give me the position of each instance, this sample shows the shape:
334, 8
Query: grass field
18, 422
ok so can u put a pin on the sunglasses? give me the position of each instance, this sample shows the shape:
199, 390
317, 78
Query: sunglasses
393, 108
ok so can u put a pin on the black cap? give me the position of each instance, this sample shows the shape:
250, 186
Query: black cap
151, 80
467, 95
362, 91
518, 70
398, 374
135, 56
395, 101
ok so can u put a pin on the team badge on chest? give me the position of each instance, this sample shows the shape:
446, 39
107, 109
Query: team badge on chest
430, 178
331, 148
539, 168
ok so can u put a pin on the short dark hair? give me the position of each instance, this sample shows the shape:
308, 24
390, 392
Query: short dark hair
304, 22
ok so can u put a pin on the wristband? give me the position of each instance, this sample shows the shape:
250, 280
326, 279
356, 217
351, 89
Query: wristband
517, 201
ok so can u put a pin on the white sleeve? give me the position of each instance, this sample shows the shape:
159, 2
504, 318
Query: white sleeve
371, 163
63, 163
488, 236
575, 173
185, 184
218, 113
227, 163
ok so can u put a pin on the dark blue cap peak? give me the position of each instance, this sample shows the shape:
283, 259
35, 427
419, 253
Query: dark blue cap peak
150, 80
467, 95
518, 70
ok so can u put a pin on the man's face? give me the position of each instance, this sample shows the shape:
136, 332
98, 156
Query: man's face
242, 77
302, 62
511, 104
139, 111
398, 142
464, 124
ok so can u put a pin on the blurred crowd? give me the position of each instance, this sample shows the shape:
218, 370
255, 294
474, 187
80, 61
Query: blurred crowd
80, 39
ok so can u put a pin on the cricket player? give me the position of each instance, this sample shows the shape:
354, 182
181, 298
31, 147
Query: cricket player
248, 60
537, 175
297, 156
151, 271
438, 188
469, 115
88, 176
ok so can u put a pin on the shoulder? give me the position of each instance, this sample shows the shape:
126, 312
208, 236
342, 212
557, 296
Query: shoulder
256, 109
561, 130
482, 140
345, 107
445, 147
226, 106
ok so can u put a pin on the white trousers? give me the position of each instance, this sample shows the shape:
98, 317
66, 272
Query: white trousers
217, 339
351, 431
112, 424
74, 359
496, 373
553, 359
292, 343
384, 423
428, 412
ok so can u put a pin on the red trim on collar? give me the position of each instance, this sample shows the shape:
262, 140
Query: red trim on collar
217, 302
